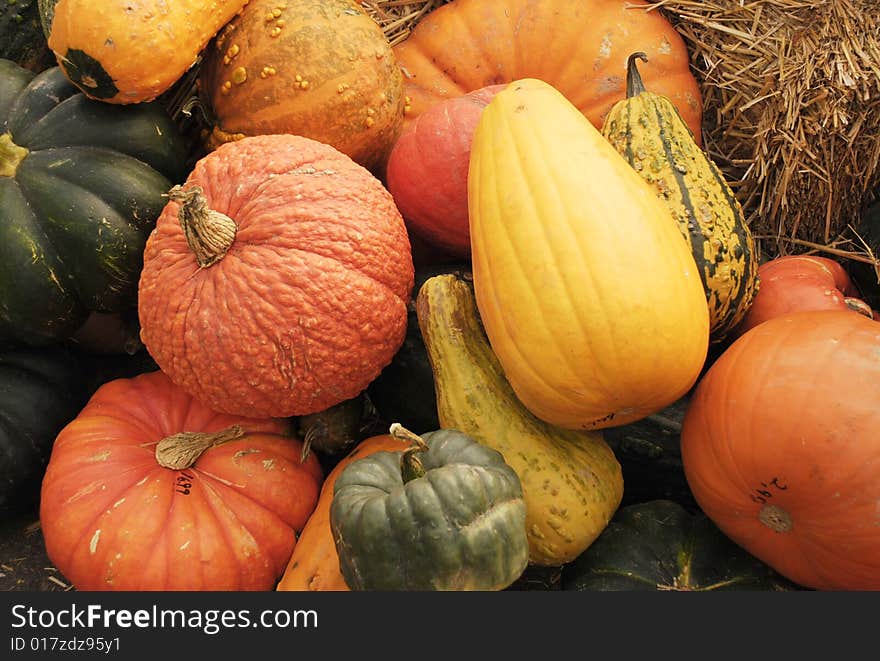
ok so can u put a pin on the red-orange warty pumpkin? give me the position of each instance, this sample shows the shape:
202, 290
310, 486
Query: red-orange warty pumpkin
580, 47
287, 292
781, 450
115, 518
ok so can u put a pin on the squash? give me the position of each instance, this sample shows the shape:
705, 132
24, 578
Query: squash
780, 447
41, 390
121, 52
322, 69
21, 36
148, 489
576, 46
650, 134
428, 166
802, 282
335, 430
659, 545
275, 283
571, 480
589, 295
446, 513
81, 184
314, 563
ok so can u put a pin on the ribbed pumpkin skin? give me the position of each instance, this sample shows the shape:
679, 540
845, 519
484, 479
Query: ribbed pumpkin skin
123, 52
468, 44
333, 78
588, 293
650, 134
784, 425
114, 519
309, 303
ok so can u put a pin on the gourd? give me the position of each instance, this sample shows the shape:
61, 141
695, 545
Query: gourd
571, 481
468, 44
322, 69
314, 563
647, 130
122, 52
446, 513
148, 489
780, 447
82, 184
588, 293
659, 545
275, 283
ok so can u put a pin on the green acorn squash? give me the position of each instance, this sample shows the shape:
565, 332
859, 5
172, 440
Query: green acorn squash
658, 545
81, 185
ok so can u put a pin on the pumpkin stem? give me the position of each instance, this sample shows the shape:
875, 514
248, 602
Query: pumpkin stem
181, 451
10, 155
209, 234
410, 465
634, 84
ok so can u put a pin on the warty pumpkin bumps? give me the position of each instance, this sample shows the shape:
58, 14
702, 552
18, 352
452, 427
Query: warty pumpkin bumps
297, 298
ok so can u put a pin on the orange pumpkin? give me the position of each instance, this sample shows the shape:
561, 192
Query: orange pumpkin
580, 47
129, 503
780, 447
322, 69
287, 292
314, 565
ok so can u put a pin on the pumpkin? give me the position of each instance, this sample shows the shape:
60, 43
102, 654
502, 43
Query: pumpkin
589, 295
659, 545
148, 489
41, 390
428, 166
322, 69
121, 52
647, 130
571, 480
802, 282
780, 447
445, 514
276, 280
81, 184
577, 47
314, 563
21, 36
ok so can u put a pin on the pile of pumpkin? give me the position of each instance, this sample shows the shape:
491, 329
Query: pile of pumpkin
418, 318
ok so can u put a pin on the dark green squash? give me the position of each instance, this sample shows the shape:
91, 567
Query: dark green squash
658, 545
22, 39
81, 186
445, 514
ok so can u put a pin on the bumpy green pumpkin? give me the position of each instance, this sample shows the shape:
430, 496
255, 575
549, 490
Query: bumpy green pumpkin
81, 185
445, 514
658, 545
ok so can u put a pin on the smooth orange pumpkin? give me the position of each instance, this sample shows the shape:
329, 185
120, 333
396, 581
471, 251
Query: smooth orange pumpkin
287, 292
115, 518
322, 69
314, 564
580, 47
781, 450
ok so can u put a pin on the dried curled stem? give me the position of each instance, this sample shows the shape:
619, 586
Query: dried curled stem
181, 451
209, 234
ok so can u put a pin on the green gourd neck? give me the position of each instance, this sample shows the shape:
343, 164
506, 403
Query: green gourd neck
10, 155
634, 84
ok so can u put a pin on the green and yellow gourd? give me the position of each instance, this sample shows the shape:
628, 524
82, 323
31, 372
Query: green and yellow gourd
647, 130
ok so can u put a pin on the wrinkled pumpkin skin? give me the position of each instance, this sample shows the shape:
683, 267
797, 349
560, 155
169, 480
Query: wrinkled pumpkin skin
468, 44
113, 518
588, 293
308, 304
121, 52
322, 69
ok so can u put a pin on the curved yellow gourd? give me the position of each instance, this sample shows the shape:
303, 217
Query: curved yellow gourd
587, 290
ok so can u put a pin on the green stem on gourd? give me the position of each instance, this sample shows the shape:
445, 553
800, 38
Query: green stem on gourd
10, 155
209, 234
634, 84
181, 451
410, 465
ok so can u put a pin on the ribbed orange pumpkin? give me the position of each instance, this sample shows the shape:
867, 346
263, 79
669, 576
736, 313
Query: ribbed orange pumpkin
120, 509
580, 47
298, 296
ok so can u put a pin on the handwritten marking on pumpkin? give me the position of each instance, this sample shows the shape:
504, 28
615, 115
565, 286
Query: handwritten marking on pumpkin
767, 491
93, 543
